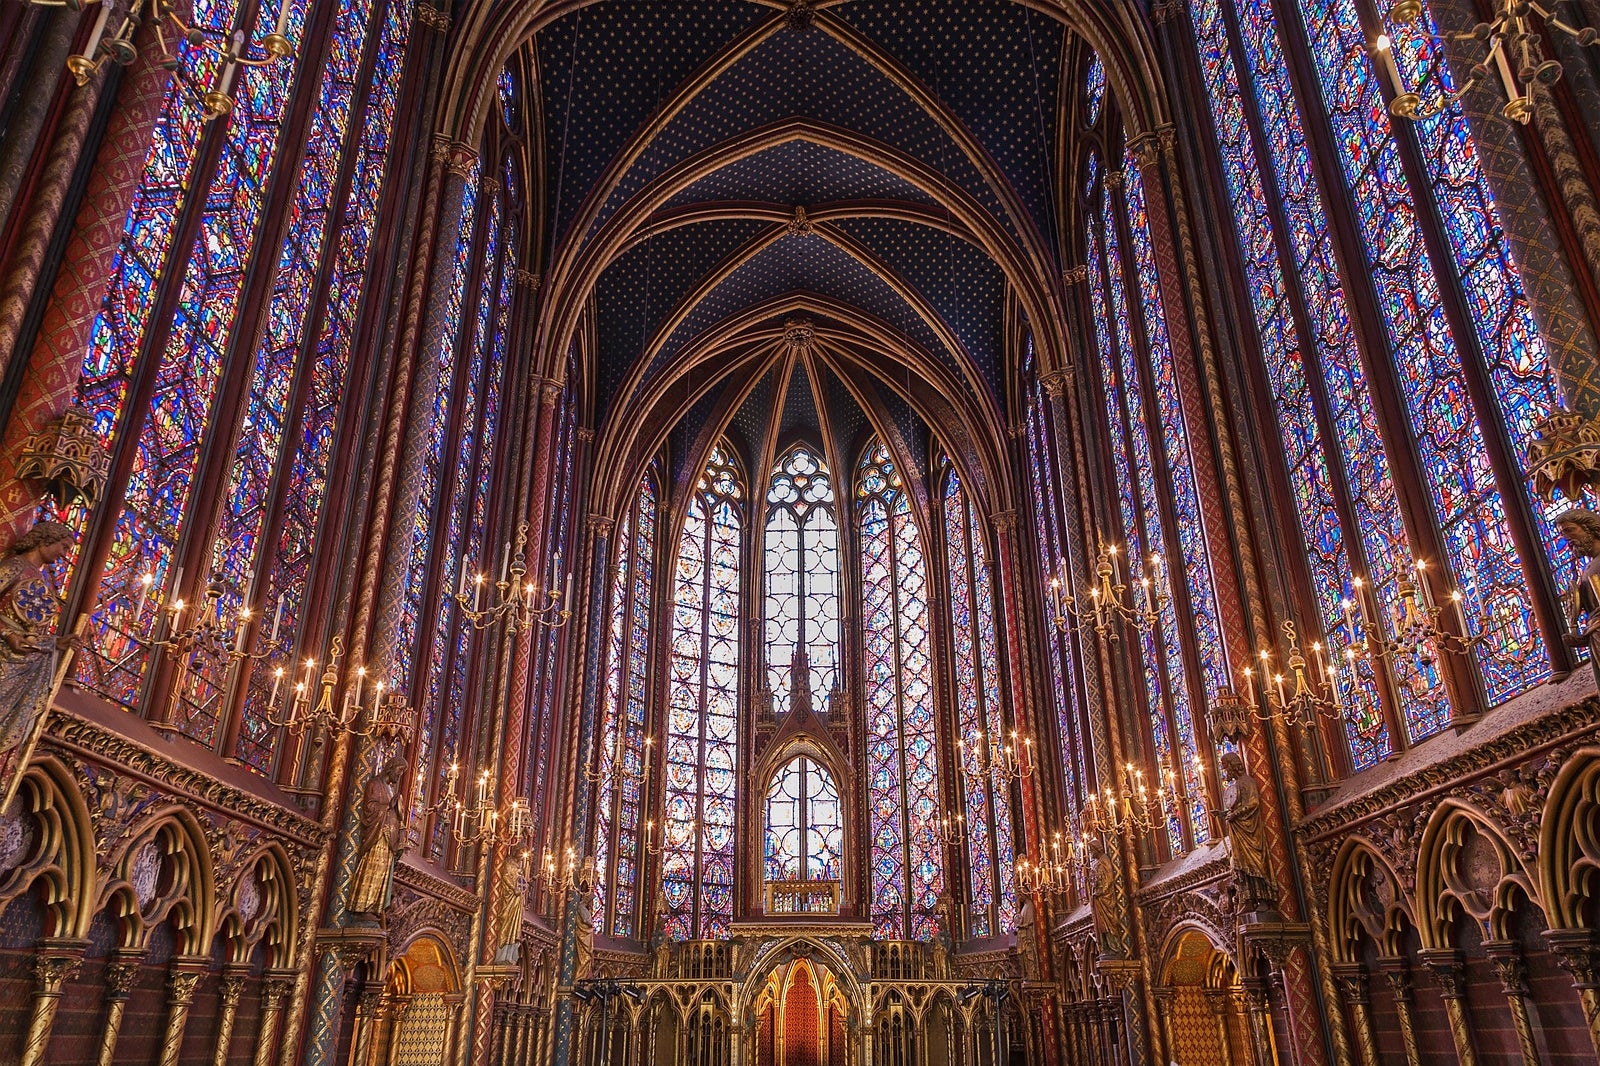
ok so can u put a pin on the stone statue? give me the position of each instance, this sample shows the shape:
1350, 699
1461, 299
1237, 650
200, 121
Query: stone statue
30, 646
510, 888
1581, 527
380, 840
944, 942
1247, 833
1028, 940
1103, 899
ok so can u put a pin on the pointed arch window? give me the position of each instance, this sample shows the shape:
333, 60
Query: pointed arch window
1323, 371
277, 411
902, 761
702, 707
802, 574
452, 522
1158, 501
991, 895
804, 837
626, 704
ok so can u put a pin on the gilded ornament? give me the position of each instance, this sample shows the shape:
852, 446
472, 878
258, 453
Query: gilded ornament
381, 823
68, 457
1247, 833
34, 655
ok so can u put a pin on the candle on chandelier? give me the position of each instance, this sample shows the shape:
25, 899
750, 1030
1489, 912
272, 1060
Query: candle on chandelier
1385, 49
277, 618
243, 626
277, 683
461, 586
1461, 612
283, 18
1055, 597
99, 30
1422, 584
1249, 685
1282, 699
145, 582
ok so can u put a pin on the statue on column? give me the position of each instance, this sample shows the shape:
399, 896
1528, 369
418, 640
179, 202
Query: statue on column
944, 942
1103, 898
1581, 527
31, 648
1247, 834
510, 887
380, 840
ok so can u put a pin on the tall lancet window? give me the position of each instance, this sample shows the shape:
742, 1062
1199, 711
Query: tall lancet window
802, 569
991, 896
703, 702
232, 406
623, 764
902, 759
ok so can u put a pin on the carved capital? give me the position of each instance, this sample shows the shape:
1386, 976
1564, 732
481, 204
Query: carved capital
527, 279
600, 525
121, 972
275, 988
181, 983
439, 148
1145, 149
550, 392
459, 158
1167, 138
55, 963
1398, 974
1352, 978
1508, 966
1077, 275
232, 984
1055, 384
432, 17
488, 187
1115, 180
1579, 954
1005, 521
585, 435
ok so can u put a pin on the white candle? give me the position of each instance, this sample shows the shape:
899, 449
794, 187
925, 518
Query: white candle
361, 675
243, 626
145, 582
505, 561
283, 18
99, 30
1055, 598
1249, 685
461, 586
277, 619
567, 600
225, 82
1386, 57
277, 683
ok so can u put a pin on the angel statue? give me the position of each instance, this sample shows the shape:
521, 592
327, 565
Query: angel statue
1581, 527
32, 651
380, 840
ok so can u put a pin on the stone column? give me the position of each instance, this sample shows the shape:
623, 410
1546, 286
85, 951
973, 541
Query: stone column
1449, 970
186, 973
1513, 974
233, 977
368, 1004
1258, 1004
1579, 952
55, 962
276, 985
1166, 998
121, 972
1221, 1003
1352, 978
1398, 974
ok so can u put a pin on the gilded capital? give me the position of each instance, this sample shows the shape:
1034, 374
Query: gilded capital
1145, 149
600, 525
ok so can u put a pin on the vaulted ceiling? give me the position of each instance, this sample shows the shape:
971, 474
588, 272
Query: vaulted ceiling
755, 213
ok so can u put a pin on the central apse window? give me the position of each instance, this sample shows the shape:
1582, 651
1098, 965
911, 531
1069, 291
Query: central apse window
802, 549
804, 831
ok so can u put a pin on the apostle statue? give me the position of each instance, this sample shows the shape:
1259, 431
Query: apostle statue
1581, 527
1247, 833
1103, 898
380, 840
32, 651
511, 888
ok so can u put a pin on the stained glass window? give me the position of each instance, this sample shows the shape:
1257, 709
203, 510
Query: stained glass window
805, 828
1095, 89
702, 710
802, 572
1326, 374
1448, 433
296, 354
1048, 522
1168, 686
902, 761
623, 762
985, 794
